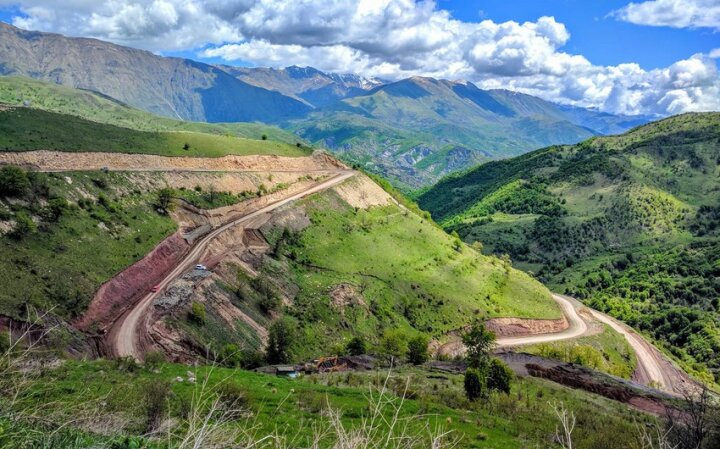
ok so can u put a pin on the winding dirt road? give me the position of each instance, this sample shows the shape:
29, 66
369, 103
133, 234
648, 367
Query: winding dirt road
125, 333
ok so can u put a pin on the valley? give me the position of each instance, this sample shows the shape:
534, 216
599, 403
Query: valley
455, 232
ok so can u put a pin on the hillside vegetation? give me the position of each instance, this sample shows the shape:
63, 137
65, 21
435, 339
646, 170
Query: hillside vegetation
19, 91
627, 223
27, 129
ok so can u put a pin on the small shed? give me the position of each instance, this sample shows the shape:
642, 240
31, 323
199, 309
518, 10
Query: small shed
286, 371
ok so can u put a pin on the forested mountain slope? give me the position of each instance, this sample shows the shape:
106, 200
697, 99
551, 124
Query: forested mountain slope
628, 223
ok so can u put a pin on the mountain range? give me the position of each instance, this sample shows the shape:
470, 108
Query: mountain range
412, 131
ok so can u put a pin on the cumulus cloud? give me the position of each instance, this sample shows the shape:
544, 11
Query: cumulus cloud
673, 13
391, 39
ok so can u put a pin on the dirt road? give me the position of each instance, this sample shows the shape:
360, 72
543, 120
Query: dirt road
577, 326
124, 335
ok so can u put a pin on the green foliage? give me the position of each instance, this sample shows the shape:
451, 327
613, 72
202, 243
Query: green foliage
500, 376
24, 226
14, 181
572, 214
356, 346
417, 353
280, 338
164, 198
155, 396
197, 313
154, 359
479, 342
394, 343
474, 383
24, 129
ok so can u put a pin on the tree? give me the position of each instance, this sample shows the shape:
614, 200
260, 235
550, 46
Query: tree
197, 313
473, 384
164, 198
499, 376
264, 137
418, 350
14, 181
393, 343
280, 338
356, 346
479, 341
24, 226
186, 146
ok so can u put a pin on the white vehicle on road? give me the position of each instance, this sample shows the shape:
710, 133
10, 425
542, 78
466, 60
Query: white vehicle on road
200, 267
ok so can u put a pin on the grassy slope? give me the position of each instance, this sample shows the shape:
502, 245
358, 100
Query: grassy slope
406, 269
64, 262
629, 223
92, 392
25, 129
102, 109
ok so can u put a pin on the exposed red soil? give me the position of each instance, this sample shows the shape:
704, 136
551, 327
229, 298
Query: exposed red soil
121, 292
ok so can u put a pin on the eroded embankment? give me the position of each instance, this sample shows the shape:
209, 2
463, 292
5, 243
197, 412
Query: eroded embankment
64, 161
516, 327
121, 292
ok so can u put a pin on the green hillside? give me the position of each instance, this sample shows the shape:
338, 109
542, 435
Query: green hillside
627, 223
26, 129
19, 91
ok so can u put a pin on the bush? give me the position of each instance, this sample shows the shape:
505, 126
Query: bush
197, 313
474, 384
264, 137
280, 338
164, 199
55, 209
418, 350
499, 376
393, 343
14, 181
153, 359
356, 346
24, 226
155, 396
233, 395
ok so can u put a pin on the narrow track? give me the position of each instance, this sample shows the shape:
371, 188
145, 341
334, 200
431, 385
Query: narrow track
124, 335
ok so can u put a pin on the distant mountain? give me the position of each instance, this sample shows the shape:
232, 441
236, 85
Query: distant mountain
628, 223
173, 87
413, 131
418, 129
310, 85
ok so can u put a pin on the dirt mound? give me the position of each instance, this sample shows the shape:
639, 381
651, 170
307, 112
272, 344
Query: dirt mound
363, 193
515, 327
62, 161
124, 290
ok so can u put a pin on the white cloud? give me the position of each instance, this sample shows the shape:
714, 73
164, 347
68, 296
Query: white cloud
714, 53
673, 13
394, 39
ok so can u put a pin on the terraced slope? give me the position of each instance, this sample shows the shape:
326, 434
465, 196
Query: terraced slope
629, 223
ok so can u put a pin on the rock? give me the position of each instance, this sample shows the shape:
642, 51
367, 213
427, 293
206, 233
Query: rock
178, 379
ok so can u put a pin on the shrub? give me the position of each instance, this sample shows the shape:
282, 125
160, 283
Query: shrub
233, 395
264, 137
356, 346
280, 338
164, 199
499, 376
14, 181
55, 209
24, 226
155, 396
153, 359
197, 313
473, 384
186, 146
479, 342
393, 343
418, 350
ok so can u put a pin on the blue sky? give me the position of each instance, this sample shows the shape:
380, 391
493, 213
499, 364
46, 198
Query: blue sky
603, 39
650, 56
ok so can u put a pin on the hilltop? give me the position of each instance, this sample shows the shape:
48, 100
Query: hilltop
628, 223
